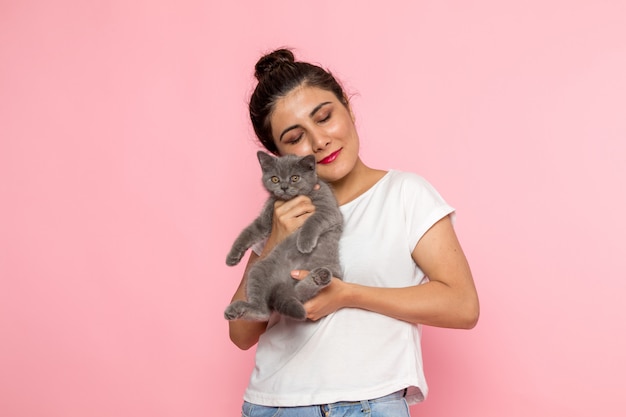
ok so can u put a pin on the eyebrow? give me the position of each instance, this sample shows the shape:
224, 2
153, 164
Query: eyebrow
311, 114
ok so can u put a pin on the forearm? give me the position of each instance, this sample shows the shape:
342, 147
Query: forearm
448, 299
243, 333
433, 303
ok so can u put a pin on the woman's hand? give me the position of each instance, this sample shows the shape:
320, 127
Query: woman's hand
288, 217
291, 215
330, 299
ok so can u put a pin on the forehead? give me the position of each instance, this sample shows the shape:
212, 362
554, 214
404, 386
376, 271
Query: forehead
298, 104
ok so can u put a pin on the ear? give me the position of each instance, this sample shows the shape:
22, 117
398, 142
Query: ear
264, 158
308, 162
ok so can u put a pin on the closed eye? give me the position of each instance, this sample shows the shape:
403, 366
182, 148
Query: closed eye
294, 140
325, 118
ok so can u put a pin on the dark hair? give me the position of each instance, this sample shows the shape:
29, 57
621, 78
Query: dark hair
278, 73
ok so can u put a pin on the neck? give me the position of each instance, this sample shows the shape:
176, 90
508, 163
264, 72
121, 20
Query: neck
359, 180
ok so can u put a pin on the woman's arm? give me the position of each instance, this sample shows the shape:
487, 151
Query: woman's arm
449, 299
245, 333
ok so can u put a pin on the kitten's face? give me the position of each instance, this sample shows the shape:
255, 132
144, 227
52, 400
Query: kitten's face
288, 176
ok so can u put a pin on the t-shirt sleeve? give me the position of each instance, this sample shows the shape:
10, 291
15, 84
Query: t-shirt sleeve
423, 206
257, 248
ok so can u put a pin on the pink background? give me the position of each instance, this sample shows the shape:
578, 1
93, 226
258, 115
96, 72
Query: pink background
127, 168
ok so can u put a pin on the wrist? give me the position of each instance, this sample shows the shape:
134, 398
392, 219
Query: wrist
350, 295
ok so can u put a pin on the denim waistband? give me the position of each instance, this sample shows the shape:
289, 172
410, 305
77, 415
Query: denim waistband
358, 407
389, 397
393, 396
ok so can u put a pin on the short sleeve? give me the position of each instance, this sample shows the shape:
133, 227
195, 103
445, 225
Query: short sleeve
257, 248
423, 207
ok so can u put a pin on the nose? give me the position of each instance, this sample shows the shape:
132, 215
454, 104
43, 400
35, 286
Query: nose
319, 141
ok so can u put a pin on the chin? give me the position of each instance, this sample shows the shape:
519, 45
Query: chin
331, 175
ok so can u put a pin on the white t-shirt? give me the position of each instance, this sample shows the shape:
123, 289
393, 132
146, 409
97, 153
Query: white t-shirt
355, 354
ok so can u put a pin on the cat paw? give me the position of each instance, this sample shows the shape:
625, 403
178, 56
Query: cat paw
295, 311
305, 245
289, 306
321, 276
233, 257
242, 310
236, 310
230, 314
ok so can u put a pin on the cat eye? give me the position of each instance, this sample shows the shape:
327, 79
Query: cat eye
275, 180
295, 178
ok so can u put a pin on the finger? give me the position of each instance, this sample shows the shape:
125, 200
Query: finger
298, 210
305, 207
299, 274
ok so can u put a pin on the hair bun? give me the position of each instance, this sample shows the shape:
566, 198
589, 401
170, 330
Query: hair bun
271, 61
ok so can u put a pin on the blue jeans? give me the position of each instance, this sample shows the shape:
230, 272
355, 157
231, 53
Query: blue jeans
392, 405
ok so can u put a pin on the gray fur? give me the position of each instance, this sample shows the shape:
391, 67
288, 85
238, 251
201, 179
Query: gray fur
314, 247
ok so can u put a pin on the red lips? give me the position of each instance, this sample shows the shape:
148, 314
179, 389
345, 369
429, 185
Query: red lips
330, 158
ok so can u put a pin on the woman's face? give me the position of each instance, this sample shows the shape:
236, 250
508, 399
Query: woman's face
311, 121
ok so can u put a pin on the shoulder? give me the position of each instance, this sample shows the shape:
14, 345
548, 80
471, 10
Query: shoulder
406, 181
414, 190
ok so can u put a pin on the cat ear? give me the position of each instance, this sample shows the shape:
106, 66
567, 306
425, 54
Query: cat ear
264, 158
308, 162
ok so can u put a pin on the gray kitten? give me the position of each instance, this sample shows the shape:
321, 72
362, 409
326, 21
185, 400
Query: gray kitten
313, 247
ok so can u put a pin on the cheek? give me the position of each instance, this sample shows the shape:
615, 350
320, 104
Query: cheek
343, 130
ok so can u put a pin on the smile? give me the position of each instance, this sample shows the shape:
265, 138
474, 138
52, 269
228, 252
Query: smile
330, 158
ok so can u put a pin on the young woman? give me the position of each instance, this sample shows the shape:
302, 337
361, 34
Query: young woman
360, 350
